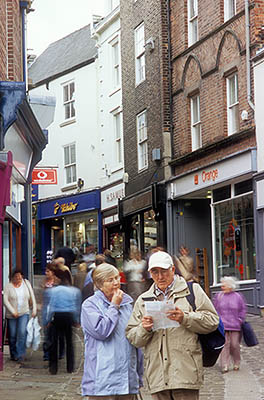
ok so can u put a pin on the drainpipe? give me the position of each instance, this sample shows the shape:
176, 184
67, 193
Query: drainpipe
170, 74
248, 55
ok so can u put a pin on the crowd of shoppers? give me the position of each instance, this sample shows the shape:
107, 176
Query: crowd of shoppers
117, 322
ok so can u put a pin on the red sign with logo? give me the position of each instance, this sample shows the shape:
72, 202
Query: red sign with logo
44, 176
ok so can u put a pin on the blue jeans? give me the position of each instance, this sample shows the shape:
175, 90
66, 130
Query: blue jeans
17, 328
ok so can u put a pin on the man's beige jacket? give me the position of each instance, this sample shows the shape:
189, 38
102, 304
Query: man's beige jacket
173, 356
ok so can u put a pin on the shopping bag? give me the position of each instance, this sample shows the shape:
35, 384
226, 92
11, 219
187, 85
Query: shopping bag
248, 334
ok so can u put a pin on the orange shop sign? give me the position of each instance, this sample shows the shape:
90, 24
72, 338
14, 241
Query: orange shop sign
44, 176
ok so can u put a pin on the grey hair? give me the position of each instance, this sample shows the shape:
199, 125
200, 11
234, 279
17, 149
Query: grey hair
230, 281
102, 273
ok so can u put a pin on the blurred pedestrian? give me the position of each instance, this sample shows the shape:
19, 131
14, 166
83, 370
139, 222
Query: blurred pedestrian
79, 277
185, 266
18, 299
60, 263
89, 287
231, 307
109, 259
112, 367
68, 255
62, 312
134, 272
174, 367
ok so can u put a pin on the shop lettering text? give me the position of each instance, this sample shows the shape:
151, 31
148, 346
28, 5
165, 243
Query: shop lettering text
65, 207
118, 194
210, 175
207, 176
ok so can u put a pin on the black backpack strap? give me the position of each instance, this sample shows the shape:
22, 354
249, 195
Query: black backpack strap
191, 297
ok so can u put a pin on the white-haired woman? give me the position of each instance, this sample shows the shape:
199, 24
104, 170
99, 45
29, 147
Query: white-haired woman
231, 307
111, 365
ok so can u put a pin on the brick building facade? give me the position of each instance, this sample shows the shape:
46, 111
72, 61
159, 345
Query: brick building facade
211, 194
146, 120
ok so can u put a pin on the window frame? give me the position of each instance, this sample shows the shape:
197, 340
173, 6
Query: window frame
232, 108
71, 165
117, 117
192, 20
140, 62
196, 125
142, 141
116, 63
228, 14
69, 101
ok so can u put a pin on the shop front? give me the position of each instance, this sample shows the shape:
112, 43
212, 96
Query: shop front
112, 234
73, 221
212, 211
142, 218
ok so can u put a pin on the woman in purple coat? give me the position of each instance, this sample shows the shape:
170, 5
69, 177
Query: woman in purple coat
231, 307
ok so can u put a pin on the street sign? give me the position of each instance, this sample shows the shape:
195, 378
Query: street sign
44, 176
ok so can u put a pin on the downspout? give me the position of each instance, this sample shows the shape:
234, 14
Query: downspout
170, 75
23, 6
248, 55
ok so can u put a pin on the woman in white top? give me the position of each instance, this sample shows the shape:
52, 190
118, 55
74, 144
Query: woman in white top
17, 295
134, 272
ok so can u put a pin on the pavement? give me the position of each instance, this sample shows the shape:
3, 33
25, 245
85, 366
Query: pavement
32, 381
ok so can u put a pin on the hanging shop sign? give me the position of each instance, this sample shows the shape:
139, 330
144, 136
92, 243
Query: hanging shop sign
44, 176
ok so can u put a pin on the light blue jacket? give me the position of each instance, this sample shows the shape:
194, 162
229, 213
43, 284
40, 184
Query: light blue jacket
112, 366
61, 299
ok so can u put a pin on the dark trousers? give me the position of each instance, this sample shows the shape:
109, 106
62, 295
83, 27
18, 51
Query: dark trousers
61, 325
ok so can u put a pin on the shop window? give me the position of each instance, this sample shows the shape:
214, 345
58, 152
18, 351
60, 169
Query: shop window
68, 100
222, 193
243, 187
140, 53
135, 232
82, 231
234, 238
150, 231
70, 164
142, 135
192, 21
196, 123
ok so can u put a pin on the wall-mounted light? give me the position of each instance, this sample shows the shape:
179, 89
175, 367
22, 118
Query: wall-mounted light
150, 44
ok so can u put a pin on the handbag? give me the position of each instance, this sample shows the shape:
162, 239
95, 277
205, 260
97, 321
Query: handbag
30, 302
212, 343
248, 334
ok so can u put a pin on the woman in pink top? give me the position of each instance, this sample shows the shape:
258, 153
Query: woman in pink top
231, 307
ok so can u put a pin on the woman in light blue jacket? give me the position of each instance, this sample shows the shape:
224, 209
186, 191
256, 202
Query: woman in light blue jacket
112, 366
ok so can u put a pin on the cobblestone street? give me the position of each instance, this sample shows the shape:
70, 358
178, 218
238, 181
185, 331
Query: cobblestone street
32, 381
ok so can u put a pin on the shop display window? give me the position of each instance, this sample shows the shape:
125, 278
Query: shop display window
150, 231
235, 252
82, 231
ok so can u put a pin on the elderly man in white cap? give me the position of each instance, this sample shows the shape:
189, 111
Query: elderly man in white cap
174, 367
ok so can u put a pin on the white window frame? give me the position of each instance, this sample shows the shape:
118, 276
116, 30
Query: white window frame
229, 9
139, 36
115, 47
196, 122
192, 21
117, 121
114, 4
142, 140
70, 165
69, 100
232, 104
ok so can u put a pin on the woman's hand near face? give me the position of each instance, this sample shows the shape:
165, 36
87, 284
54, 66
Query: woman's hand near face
117, 297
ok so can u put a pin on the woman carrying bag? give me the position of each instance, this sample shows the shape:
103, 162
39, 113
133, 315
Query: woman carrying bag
18, 298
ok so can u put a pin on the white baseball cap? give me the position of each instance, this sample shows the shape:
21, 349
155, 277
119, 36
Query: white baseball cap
160, 259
